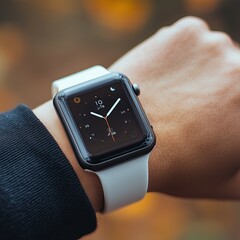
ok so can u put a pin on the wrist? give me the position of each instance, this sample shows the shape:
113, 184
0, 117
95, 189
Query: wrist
90, 182
159, 162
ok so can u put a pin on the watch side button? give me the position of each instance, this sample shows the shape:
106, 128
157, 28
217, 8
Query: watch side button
136, 89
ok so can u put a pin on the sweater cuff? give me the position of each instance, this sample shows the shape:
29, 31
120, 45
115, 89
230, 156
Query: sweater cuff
40, 195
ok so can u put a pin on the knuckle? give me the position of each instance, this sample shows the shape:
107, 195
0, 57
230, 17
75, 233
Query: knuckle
192, 24
219, 41
223, 38
163, 30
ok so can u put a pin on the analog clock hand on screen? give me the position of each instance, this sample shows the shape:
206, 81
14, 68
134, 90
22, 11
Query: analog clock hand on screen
107, 115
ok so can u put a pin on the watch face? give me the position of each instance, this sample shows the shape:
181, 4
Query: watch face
106, 119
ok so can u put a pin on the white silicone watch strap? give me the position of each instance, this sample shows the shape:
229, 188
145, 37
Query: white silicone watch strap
79, 77
124, 183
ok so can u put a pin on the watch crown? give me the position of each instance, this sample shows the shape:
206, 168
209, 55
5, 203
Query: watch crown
136, 89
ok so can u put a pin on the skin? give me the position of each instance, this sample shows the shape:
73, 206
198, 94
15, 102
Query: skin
189, 79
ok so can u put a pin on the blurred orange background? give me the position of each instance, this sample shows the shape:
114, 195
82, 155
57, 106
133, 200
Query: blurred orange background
41, 41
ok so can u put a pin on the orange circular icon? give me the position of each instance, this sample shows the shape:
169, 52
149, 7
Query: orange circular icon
77, 99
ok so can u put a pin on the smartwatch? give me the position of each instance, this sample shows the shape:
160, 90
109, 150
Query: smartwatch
108, 130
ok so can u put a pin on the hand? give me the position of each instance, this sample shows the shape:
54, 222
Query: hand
105, 118
96, 115
190, 82
112, 108
109, 112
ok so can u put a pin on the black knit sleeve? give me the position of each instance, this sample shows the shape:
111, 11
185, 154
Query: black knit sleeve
40, 195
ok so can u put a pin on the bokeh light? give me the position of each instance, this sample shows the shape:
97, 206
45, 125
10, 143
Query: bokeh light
119, 15
41, 41
202, 6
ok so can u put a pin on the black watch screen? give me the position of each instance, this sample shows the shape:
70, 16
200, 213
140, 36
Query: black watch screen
107, 120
